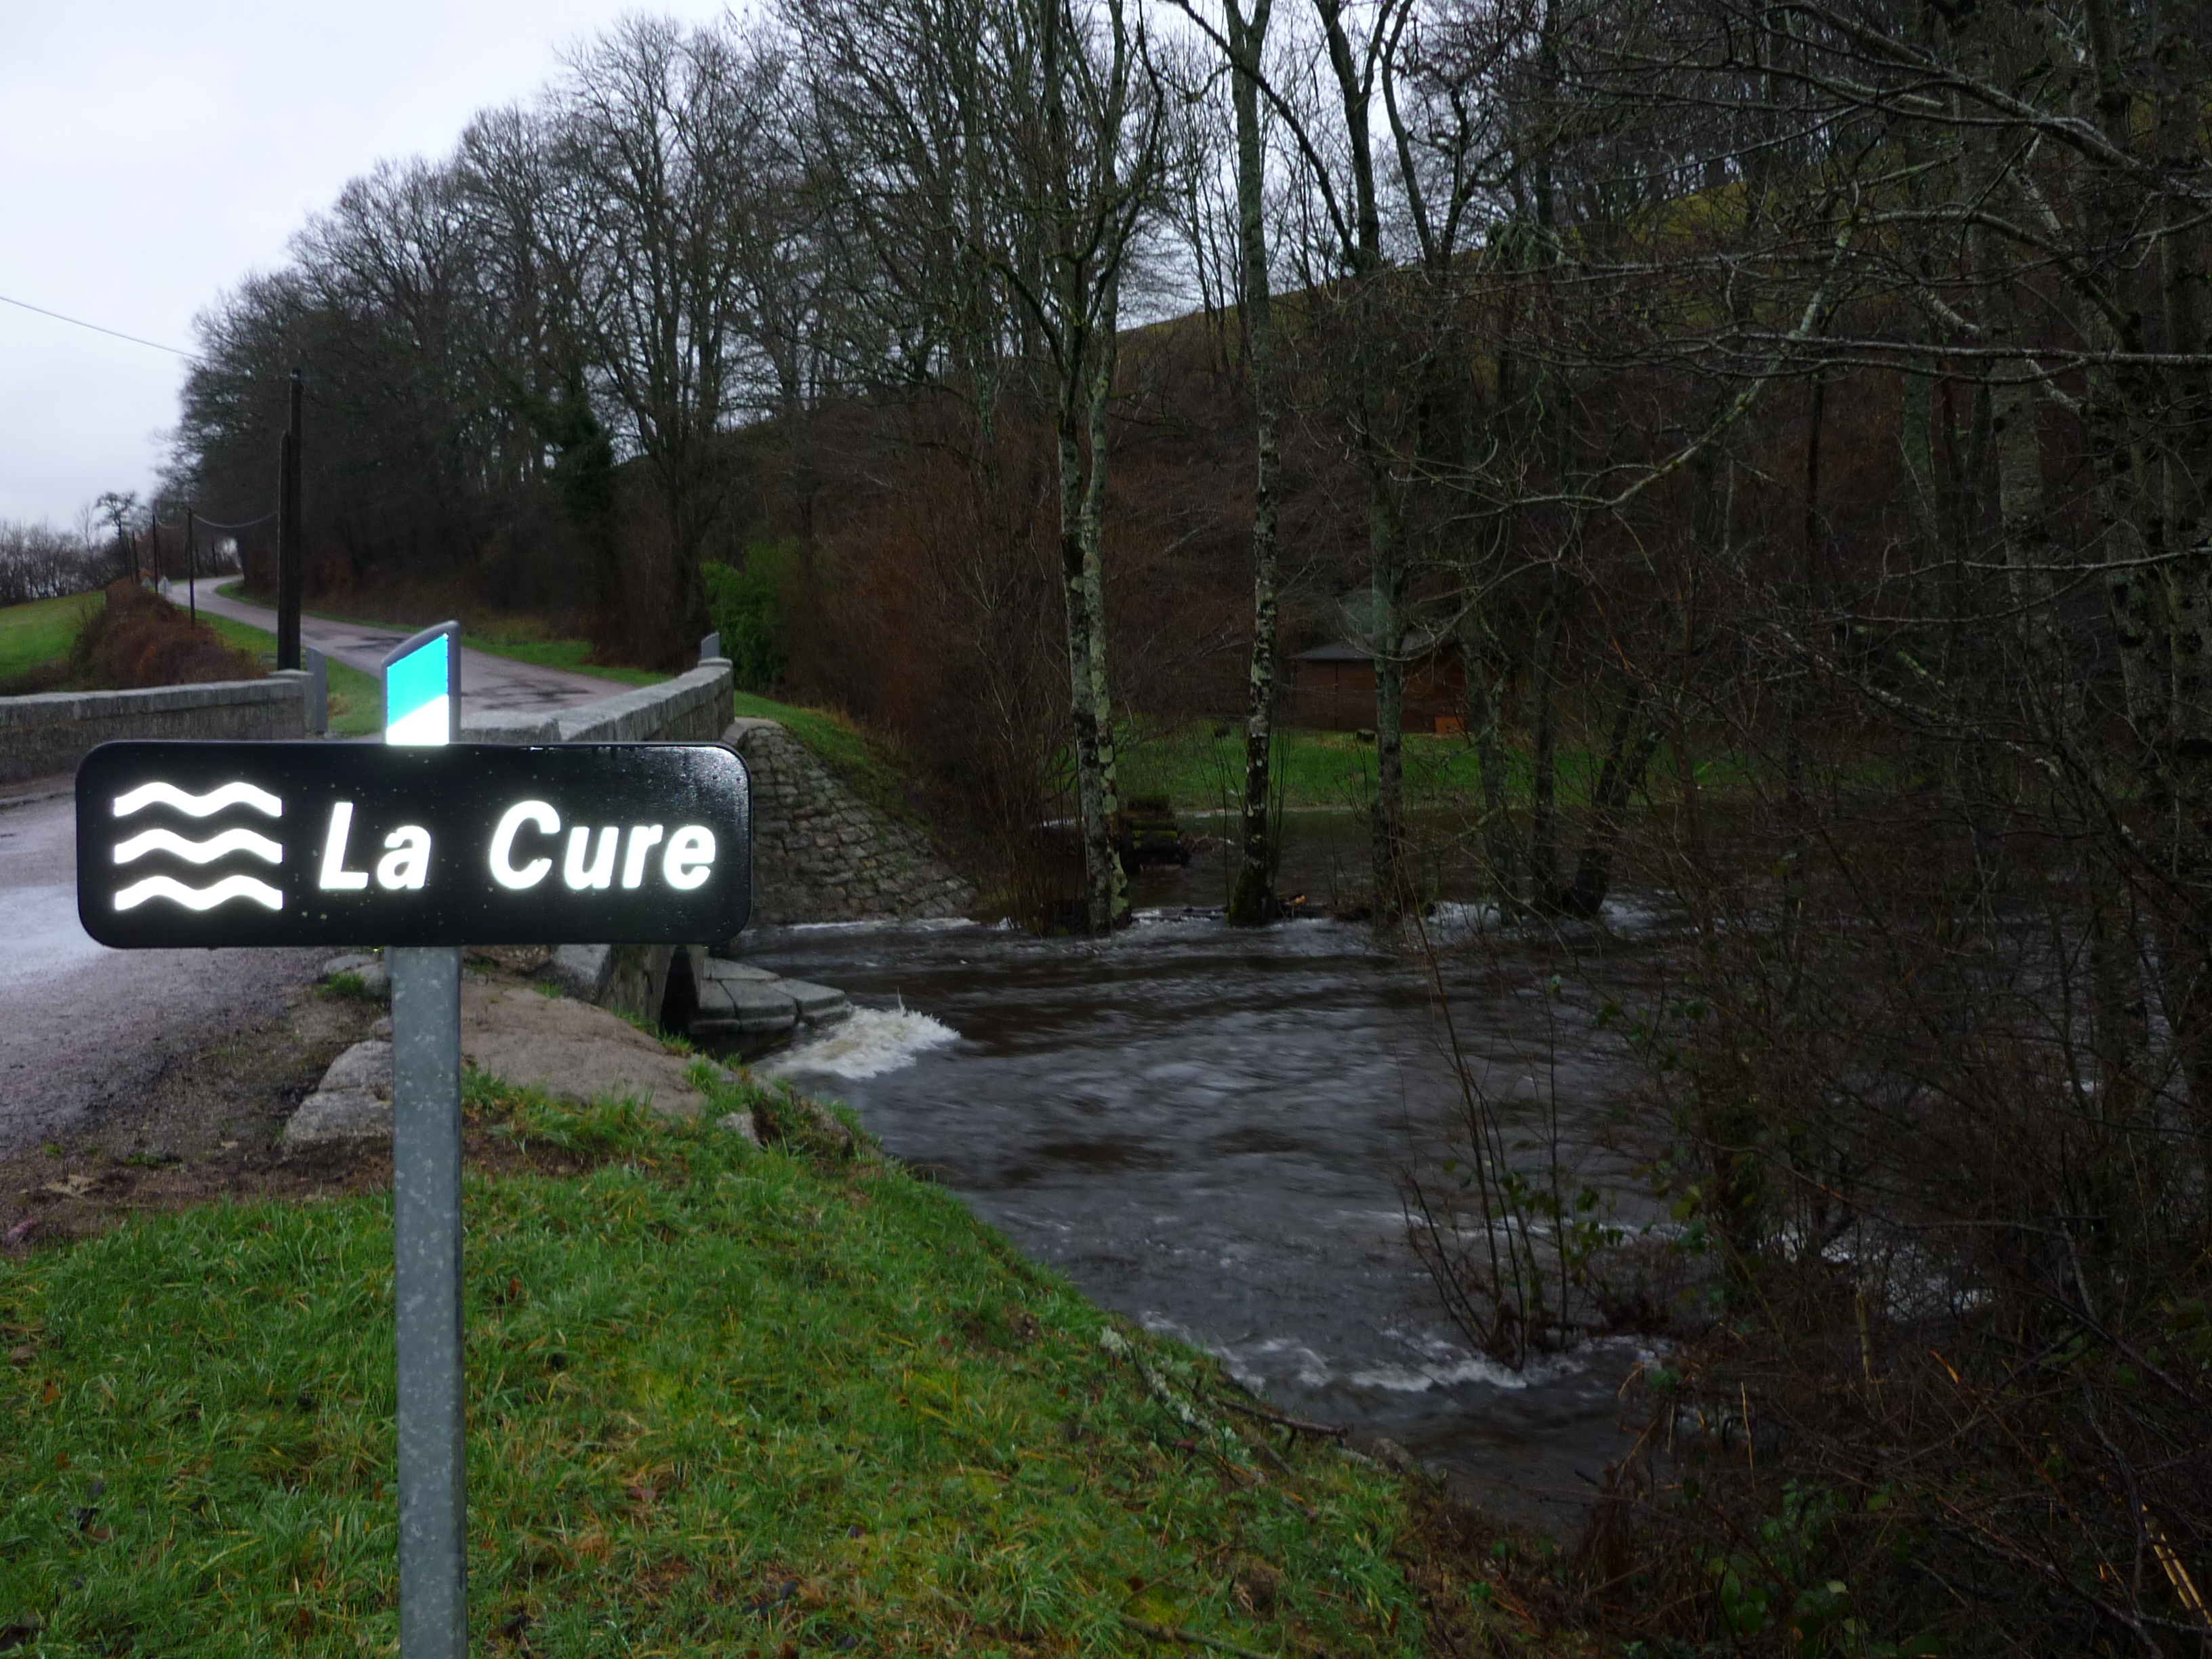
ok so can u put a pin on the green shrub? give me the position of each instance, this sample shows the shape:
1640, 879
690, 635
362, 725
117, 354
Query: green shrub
747, 608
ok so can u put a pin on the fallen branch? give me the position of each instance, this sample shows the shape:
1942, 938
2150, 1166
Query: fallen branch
1327, 1431
1121, 1348
1190, 1639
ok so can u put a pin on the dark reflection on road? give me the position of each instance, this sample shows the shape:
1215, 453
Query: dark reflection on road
1205, 1128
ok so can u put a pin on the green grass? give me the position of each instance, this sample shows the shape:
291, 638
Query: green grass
721, 1400
858, 761
569, 654
356, 699
36, 634
1200, 772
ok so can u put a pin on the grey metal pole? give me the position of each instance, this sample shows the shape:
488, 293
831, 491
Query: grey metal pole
426, 1215
426, 1229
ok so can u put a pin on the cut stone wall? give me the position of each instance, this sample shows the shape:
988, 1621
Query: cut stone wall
51, 732
822, 854
692, 707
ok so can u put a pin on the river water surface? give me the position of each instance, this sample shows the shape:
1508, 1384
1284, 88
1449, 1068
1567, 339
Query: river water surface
1206, 1128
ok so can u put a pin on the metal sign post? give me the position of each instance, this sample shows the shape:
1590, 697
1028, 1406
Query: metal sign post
426, 844
422, 709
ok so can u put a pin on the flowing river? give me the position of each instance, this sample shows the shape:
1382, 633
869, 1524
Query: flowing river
1207, 1129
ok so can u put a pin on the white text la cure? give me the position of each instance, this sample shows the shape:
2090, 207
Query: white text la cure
590, 862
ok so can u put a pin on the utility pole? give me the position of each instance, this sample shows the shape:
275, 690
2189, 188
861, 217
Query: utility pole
287, 539
154, 542
192, 567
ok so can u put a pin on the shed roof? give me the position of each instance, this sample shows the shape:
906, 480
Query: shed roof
1416, 643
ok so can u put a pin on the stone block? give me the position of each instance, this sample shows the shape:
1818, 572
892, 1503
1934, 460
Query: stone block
568, 1049
639, 979
583, 971
729, 1007
332, 1117
375, 978
365, 1066
818, 1004
719, 968
352, 1103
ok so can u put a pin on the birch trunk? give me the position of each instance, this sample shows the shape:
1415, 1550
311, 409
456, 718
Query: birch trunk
1252, 902
1486, 688
1100, 867
1115, 895
1088, 243
1543, 741
1373, 372
1385, 541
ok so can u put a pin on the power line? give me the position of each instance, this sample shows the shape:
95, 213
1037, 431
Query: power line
116, 332
209, 524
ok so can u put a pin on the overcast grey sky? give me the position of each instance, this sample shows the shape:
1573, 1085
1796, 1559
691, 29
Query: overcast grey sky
157, 150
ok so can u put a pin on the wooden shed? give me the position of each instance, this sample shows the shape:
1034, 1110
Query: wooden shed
1333, 685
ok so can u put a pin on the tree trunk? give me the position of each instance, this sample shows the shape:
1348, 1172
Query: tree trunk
1101, 868
1487, 686
1625, 758
1374, 373
1086, 287
1116, 889
1252, 902
1386, 541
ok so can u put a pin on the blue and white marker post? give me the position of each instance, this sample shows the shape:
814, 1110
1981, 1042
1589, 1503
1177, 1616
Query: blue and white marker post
422, 707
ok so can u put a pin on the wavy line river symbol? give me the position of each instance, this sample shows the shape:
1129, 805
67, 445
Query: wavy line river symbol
161, 793
199, 852
198, 806
199, 898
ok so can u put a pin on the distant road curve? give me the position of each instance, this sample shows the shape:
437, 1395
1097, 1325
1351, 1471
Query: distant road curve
487, 683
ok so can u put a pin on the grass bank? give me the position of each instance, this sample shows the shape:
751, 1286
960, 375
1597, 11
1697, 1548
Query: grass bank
722, 1399
1201, 771
41, 633
864, 763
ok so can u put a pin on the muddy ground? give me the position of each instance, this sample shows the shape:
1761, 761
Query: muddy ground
204, 1128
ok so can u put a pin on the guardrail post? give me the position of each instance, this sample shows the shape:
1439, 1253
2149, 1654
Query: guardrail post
318, 691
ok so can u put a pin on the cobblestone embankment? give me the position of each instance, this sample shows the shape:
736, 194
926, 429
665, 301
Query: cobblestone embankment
822, 854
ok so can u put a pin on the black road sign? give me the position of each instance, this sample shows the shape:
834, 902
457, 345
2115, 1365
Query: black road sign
321, 843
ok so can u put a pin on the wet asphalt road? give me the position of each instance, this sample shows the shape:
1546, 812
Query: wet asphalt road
83, 1027
487, 683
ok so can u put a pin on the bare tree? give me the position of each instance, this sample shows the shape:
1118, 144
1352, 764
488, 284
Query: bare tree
661, 132
1002, 160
